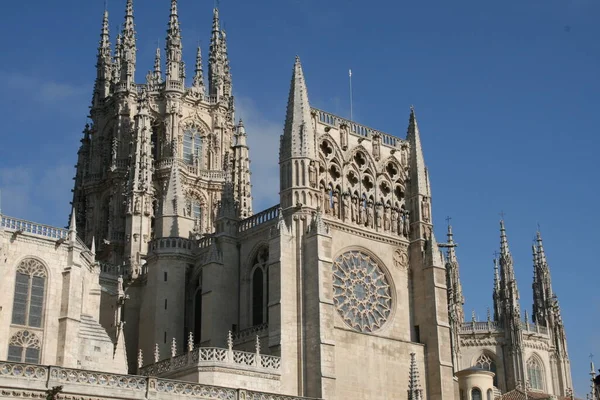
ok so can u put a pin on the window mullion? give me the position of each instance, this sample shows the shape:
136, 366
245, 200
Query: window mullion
28, 305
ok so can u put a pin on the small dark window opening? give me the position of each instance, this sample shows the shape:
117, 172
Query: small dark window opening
417, 334
165, 276
257, 297
165, 304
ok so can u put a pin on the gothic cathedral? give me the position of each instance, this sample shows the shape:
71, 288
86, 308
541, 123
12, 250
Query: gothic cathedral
340, 291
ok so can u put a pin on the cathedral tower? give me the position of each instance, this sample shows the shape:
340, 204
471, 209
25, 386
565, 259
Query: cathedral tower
155, 156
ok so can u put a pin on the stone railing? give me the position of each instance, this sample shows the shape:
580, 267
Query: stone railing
258, 219
17, 225
479, 327
31, 380
171, 243
208, 174
251, 333
214, 356
205, 242
357, 129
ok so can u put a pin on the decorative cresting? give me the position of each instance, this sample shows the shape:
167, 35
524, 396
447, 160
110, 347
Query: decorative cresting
361, 292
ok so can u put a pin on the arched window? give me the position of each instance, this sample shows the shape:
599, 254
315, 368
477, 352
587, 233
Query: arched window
196, 210
490, 394
475, 394
257, 296
24, 346
485, 362
535, 373
260, 287
192, 146
30, 287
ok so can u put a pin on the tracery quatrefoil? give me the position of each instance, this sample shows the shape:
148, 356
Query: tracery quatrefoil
361, 292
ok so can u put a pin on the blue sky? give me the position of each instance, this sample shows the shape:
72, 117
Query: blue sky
506, 93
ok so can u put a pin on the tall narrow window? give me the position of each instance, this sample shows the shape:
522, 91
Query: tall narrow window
198, 316
28, 302
490, 395
192, 147
257, 296
535, 373
475, 394
196, 210
24, 346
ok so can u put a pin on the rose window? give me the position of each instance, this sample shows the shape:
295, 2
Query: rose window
361, 292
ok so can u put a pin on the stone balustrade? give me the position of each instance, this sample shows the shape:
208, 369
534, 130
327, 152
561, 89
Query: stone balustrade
208, 174
21, 225
493, 326
171, 243
32, 381
214, 356
357, 129
258, 219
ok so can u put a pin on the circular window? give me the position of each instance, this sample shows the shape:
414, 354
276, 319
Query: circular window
361, 292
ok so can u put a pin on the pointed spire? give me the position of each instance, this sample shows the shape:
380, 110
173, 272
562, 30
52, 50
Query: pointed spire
503, 240
298, 135
103, 64
93, 247
156, 353
175, 70
215, 60
104, 45
199, 73
414, 386
128, 45
451, 245
241, 134
418, 173
72, 227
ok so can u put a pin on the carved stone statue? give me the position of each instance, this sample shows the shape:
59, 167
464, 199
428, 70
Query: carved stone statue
370, 215
327, 202
425, 210
137, 207
335, 204
187, 210
346, 207
377, 147
386, 219
344, 136
401, 224
394, 220
354, 212
406, 230
312, 174
378, 216
404, 157
363, 212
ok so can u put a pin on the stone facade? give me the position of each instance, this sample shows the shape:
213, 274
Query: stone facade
339, 291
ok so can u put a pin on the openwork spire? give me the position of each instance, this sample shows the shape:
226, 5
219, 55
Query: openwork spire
128, 49
175, 70
104, 45
199, 73
103, 64
414, 386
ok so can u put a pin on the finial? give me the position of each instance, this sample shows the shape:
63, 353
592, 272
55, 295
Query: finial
190, 342
140, 359
173, 348
93, 247
489, 315
229, 341
156, 353
473, 316
257, 345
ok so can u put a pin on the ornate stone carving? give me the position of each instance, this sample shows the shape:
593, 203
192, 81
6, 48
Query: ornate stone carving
401, 258
361, 292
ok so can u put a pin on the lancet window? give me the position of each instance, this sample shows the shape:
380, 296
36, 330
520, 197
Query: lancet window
30, 288
192, 147
476, 394
535, 373
260, 287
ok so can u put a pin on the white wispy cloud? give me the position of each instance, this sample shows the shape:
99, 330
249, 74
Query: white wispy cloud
263, 140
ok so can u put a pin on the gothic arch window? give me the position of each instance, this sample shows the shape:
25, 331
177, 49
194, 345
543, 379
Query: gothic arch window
485, 361
476, 394
260, 287
24, 346
192, 146
30, 289
490, 394
535, 373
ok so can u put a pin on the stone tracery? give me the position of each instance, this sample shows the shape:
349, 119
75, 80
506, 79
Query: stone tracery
362, 293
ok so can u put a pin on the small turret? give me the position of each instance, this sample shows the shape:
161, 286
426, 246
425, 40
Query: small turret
157, 73
175, 71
